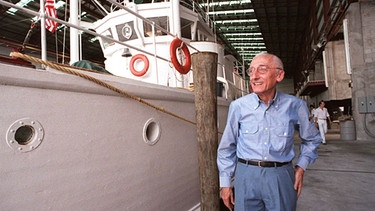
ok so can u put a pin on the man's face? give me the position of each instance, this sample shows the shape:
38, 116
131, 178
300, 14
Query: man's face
264, 75
322, 104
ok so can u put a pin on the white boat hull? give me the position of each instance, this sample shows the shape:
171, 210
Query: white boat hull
92, 154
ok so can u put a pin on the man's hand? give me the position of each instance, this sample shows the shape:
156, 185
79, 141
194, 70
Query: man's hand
298, 173
227, 196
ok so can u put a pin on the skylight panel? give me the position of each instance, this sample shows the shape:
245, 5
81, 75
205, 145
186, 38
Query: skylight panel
243, 34
236, 21
21, 3
248, 44
228, 12
226, 3
245, 38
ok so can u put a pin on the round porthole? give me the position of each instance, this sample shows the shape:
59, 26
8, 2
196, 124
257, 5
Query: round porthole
151, 132
25, 135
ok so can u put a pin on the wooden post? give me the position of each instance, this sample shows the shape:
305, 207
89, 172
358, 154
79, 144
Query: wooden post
204, 73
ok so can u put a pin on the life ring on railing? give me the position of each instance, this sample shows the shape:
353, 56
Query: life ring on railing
145, 68
183, 69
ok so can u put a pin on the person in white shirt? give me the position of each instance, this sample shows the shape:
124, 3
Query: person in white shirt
321, 115
312, 114
312, 111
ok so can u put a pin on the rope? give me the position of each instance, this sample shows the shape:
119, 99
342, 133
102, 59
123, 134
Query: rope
97, 81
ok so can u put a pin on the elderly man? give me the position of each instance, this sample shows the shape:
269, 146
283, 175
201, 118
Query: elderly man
257, 146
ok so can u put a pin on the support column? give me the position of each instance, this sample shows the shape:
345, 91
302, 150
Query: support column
205, 70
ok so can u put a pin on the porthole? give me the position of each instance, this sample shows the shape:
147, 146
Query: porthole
151, 132
25, 135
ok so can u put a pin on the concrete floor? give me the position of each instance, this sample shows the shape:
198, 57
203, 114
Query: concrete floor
342, 178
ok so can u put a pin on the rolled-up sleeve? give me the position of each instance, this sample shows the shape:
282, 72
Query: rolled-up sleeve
226, 156
310, 138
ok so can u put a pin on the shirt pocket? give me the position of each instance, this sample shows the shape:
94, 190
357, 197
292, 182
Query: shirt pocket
249, 129
282, 135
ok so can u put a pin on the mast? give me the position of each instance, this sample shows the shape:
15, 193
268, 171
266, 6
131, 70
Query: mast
43, 39
74, 44
176, 18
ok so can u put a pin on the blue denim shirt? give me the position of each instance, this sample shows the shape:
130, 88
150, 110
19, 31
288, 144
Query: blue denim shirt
255, 131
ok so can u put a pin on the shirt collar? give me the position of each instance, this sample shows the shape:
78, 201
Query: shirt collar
276, 101
255, 101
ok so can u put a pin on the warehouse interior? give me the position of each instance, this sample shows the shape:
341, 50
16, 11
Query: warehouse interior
87, 138
317, 41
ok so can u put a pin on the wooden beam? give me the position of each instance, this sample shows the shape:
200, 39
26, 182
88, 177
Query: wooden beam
205, 69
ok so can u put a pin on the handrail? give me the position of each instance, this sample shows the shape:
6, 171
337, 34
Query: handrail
8, 4
79, 28
153, 54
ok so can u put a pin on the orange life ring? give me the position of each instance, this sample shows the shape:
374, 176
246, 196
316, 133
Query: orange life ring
183, 69
145, 68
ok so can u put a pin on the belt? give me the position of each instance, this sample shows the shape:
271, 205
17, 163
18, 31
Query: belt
262, 163
322, 119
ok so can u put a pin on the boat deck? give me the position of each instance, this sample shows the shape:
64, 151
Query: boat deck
342, 178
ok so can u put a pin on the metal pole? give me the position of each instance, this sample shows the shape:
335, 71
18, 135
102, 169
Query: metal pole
43, 39
74, 45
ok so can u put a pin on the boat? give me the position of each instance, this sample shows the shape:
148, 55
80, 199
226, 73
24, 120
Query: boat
71, 144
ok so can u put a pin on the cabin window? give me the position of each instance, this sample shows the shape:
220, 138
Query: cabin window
163, 22
105, 42
186, 28
126, 31
203, 34
204, 37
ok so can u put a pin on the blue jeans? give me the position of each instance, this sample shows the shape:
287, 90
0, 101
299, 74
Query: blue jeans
258, 188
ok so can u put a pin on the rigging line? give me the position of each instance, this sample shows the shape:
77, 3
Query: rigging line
101, 8
96, 34
56, 47
81, 29
62, 42
99, 82
15, 22
28, 35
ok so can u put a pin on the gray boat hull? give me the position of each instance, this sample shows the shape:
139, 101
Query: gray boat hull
90, 150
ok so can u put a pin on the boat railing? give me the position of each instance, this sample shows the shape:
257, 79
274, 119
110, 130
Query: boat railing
43, 16
85, 30
238, 83
152, 23
195, 7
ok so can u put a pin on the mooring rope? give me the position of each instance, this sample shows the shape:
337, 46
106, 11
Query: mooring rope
97, 81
